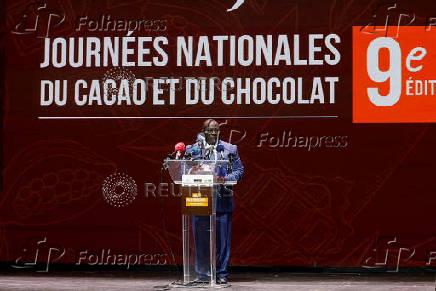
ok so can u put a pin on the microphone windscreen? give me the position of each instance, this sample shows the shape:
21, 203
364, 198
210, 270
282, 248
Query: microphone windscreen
180, 147
195, 150
221, 171
220, 148
200, 137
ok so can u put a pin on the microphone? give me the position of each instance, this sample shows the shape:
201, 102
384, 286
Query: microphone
209, 150
201, 141
201, 138
221, 170
220, 150
179, 149
194, 151
231, 160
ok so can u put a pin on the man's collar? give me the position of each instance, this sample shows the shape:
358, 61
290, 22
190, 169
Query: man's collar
215, 145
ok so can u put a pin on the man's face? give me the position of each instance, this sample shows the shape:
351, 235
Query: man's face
211, 132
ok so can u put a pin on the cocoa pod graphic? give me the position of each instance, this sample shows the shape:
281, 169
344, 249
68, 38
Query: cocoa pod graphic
52, 181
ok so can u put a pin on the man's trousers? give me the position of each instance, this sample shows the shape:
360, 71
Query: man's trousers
200, 227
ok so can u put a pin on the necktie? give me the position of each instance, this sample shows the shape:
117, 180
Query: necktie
212, 154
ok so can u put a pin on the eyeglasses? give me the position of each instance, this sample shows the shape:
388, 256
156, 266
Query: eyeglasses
213, 131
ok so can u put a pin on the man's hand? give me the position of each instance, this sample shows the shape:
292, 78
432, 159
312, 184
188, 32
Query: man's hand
219, 179
195, 169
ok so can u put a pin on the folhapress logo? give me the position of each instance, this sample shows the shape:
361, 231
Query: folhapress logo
38, 19
38, 256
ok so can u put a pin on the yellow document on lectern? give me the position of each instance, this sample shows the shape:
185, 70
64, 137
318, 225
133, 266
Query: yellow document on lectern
193, 201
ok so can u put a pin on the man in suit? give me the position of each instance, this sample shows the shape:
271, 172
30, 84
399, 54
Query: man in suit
224, 204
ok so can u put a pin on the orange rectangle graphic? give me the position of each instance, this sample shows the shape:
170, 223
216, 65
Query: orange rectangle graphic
394, 78
194, 201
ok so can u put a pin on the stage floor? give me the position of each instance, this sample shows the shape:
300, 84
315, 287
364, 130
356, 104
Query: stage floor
107, 281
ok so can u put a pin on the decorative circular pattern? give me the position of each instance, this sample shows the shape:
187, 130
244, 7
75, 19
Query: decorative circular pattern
117, 74
119, 190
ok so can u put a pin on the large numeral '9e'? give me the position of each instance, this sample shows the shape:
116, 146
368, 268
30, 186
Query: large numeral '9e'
393, 73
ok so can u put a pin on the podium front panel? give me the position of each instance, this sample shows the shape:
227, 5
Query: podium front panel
199, 235
196, 200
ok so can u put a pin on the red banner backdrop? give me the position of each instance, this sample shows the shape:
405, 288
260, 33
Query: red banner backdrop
318, 190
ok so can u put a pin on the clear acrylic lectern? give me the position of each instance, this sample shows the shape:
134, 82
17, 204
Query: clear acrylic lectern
200, 181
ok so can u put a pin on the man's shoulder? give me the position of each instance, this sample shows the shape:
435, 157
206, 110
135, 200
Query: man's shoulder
228, 146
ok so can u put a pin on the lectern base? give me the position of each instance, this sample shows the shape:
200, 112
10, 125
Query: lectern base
197, 284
